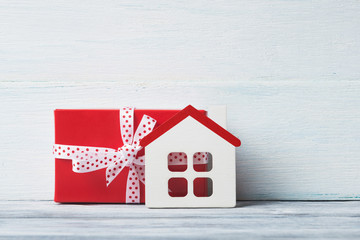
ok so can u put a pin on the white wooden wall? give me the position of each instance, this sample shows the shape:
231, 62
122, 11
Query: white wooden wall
288, 71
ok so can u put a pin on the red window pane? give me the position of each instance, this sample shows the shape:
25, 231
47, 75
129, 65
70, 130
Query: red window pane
177, 187
177, 162
200, 190
202, 161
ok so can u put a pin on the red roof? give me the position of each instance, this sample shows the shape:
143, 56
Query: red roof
200, 117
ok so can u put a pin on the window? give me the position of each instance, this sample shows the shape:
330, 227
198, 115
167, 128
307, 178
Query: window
178, 162
178, 187
203, 187
202, 161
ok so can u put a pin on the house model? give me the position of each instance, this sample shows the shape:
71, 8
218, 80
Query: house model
191, 132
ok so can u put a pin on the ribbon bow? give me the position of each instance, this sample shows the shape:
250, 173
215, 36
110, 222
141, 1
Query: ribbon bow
88, 159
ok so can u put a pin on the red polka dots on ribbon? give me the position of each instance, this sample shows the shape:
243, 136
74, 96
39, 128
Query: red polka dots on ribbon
141, 173
86, 159
200, 158
140, 160
179, 158
133, 186
146, 125
113, 170
126, 124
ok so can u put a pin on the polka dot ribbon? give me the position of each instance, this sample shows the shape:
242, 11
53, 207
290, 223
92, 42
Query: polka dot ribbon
88, 159
179, 158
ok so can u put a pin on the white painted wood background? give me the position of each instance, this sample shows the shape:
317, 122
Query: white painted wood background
288, 71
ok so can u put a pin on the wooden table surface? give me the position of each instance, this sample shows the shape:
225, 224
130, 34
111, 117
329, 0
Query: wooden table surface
249, 220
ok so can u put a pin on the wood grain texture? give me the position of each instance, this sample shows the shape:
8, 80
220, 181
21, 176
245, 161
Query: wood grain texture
287, 70
250, 220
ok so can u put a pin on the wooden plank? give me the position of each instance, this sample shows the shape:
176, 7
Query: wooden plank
288, 72
250, 220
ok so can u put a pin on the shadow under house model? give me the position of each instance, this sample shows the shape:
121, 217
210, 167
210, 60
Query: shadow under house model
190, 132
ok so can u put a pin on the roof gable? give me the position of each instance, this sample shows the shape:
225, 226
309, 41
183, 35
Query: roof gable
198, 116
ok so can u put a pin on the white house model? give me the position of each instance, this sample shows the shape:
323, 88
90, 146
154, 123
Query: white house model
190, 132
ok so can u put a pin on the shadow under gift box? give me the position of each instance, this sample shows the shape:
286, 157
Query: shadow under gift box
101, 128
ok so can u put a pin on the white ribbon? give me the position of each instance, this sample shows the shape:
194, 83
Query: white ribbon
87, 159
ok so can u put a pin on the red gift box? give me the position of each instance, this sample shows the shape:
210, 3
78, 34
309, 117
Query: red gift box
100, 128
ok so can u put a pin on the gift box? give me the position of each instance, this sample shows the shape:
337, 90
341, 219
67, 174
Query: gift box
98, 157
